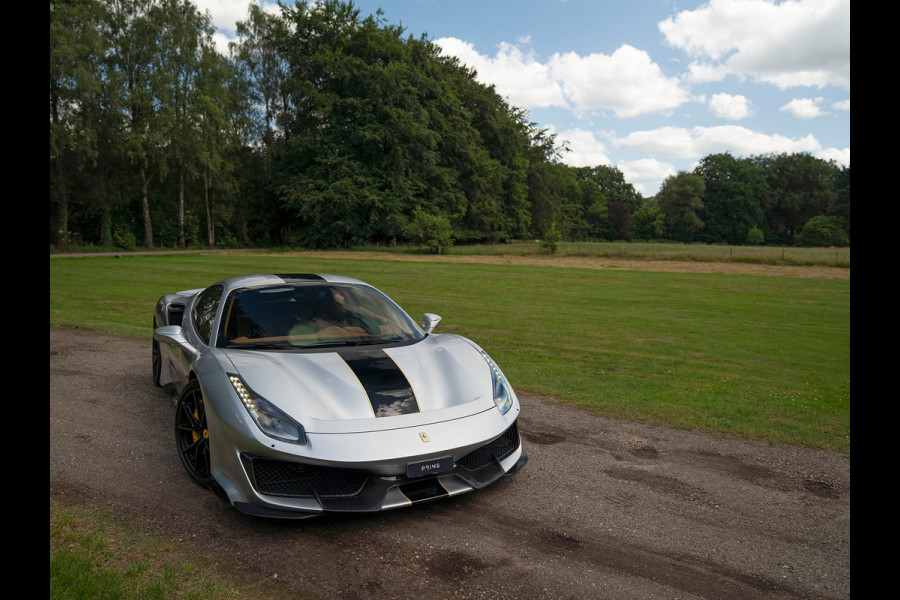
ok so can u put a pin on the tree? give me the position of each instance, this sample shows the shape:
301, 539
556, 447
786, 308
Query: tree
132, 39
649, 222
621, 198
614, 188
823, 231
732, 202
324, 129
220, 113
264, 70
75, 98
380, 126
546, 187
182, 32
593, 193
620, 220
799, 187
91, 180
841, 205
680, 200
589, 205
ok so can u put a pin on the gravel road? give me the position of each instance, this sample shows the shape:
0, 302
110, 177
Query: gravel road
604, 509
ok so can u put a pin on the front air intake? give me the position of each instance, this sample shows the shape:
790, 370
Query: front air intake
296, 480
492, 452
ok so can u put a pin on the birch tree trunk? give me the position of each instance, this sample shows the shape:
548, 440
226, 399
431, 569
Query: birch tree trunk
145, 206
181, 207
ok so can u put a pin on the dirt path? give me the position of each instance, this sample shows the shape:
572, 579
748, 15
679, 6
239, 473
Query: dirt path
604, 509
616, 264
582, 262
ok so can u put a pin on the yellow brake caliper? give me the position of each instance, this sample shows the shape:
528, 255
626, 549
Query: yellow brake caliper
194, 434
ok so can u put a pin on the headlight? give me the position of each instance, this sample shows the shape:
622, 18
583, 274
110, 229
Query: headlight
502, 395
270, 420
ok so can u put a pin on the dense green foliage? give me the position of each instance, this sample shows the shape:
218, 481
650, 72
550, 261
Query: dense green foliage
822, 231
325, 128
680, 201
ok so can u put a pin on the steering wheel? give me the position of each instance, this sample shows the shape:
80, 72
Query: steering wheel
358, 322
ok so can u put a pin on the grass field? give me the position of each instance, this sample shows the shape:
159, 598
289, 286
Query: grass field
93, 556
756, 356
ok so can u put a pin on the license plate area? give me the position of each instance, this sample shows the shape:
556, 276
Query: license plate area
429, 467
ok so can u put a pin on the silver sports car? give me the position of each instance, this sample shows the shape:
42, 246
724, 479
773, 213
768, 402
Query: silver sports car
307, 393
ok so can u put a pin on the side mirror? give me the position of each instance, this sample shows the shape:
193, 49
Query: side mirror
429, 322
174, 335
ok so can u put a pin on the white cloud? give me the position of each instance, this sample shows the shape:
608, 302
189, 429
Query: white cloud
840, 156
627, 82
791, 43
673, 142
804, 108
841, 105
701, 72
679, 142
220, 41
516, 75
726, 106
585, 150
225, 13
646, 174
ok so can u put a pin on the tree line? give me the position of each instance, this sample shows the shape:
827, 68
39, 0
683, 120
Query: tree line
323, 128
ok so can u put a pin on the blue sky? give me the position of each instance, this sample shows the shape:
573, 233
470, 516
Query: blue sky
648, 86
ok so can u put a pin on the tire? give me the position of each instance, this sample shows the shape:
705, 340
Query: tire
191, 434
157, 359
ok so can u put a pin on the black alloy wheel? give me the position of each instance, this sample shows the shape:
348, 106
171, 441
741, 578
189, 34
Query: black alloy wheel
191, 434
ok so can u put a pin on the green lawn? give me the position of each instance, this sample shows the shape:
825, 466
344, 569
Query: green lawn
95, 556
756, 356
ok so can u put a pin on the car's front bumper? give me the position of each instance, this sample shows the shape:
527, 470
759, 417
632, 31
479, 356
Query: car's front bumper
271, 480
381, 492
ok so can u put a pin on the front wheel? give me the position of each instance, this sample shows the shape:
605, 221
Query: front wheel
191, 434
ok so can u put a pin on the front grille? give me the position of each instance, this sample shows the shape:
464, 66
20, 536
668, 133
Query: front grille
279, 478
500, 448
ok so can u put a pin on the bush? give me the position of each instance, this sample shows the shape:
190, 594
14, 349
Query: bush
755, 236
226, 239
124, 239
822, 231
433, 233
551, 240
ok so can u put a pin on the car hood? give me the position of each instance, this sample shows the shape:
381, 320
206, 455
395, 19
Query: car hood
357, 389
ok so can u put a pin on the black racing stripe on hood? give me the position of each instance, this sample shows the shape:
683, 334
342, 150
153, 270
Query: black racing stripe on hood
387, 387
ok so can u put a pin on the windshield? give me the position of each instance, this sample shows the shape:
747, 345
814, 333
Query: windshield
312, 315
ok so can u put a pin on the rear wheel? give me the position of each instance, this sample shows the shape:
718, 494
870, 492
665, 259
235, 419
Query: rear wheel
191, 434
157, 358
